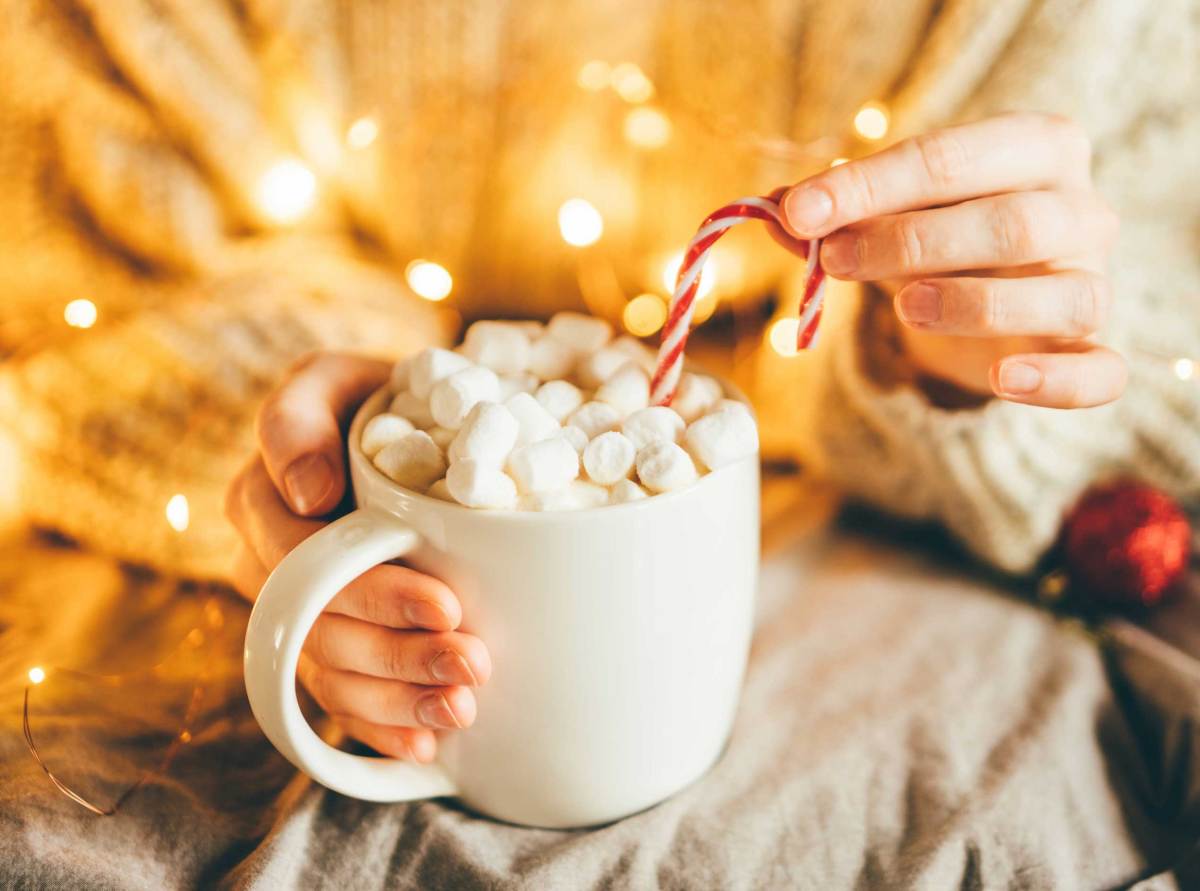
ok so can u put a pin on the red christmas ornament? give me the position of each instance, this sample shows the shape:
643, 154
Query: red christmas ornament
1126, 543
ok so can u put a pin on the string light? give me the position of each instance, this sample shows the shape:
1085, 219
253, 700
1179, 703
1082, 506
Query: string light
580, 223
647, 128
631, 83
287, 191
838, 162
80, 314
362, 133
177, 513
644, 314
595, 75
872, 122
429, 280
37, 674
708, 276
1184, 369
782, 336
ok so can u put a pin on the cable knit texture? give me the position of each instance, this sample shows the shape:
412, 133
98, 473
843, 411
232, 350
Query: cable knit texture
134, 135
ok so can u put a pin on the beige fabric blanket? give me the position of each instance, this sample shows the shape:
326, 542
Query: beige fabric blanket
904, 725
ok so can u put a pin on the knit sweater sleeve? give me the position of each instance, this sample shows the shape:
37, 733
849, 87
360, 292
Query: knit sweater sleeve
1000, 476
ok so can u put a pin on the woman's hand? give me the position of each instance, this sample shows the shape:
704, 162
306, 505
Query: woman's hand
994, 243
384, 658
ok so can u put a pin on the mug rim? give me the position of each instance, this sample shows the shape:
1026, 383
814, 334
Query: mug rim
358, 458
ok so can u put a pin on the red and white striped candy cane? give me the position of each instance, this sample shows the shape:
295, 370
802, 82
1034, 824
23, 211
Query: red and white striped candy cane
683, 301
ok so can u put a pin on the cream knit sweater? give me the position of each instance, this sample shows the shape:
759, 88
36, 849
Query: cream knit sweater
134, 135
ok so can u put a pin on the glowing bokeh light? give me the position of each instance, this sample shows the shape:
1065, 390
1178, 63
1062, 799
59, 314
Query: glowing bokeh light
178, 515
644, 314
37, 674
1185, 369
871, 121
782, 336
647, 128
287, 191
429, 280
631, 83
362, 133
80, 313
594, 75
708, 275
580, 223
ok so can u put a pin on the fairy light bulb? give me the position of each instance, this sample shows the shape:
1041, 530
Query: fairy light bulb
782, 336
362, 133
580, 223
37, 674
631, 83
429, 280
871, 121
1184, 369
80, 313
708, 275
178, 513
647, 128
287, 191
594, 76
644, 314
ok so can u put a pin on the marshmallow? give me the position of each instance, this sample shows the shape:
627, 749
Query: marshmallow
381, 430
531, 329
431, 365
511, 384
577, 495
500, 346
414, 461
625, 491
663, 466
443, 436
480, 485
413, 409
584, 334
735, 404
440, 491
594, 418
722, 437
457, 394
487, 435
399, 378
645, 357
535, 422
595, 369
652, 425
608, 458
627, 391
695, 395
544, 466
550, 359
576, 437
560, 398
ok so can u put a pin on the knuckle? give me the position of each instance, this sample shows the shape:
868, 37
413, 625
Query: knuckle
394, 657
1014, 227
943, 156
860, 187
1093, 298
911, 248
989, 308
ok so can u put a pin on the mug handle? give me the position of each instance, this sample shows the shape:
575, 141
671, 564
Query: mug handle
292, 598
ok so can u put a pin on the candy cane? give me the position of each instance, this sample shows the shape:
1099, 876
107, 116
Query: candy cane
683, 301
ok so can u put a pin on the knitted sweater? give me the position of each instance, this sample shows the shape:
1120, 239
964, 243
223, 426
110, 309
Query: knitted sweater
135, 135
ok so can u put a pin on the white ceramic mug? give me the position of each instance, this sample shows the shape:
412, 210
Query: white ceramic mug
618, 636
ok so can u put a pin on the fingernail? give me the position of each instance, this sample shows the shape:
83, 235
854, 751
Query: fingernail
433, 711
424, 614
839, 254
448, 667
920, 304
308, 481
808, 208
1018, 378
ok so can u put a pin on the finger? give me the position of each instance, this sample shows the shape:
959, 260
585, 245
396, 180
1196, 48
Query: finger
248, 574
395, 703
396, 596
1065, 304
1005, 230
300, 427
1094, 376
409, 743
419, 657
1001, 154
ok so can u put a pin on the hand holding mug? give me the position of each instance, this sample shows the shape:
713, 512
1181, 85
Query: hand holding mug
385, 659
